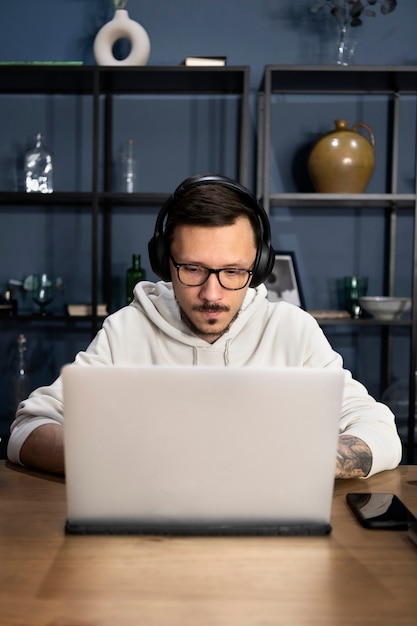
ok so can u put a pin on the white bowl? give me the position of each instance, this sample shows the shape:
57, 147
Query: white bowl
385, 307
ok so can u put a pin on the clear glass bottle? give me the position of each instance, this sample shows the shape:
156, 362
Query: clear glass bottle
133, 275
38, 168
128, 169
20, 379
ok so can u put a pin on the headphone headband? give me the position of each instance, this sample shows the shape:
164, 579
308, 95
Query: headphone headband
265, 255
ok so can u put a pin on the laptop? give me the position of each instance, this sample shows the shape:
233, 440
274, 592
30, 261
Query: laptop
200, 450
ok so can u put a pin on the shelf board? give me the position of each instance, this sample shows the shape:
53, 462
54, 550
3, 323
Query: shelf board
48, 319
46, 79
45, 199
133, 199
384, 200
178, 79
369, 79
85, 199
363, 322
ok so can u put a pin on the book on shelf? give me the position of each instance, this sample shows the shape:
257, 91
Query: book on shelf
329, 315
205, 61
80, 310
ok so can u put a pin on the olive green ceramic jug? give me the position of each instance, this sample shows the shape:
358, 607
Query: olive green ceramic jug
343, 160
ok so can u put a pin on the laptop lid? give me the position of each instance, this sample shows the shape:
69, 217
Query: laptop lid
200, 449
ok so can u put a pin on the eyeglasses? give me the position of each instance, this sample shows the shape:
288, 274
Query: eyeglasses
194, 275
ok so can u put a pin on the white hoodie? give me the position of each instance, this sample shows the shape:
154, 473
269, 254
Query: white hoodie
150, 331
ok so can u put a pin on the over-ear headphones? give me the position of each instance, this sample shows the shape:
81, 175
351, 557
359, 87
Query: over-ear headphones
265, 255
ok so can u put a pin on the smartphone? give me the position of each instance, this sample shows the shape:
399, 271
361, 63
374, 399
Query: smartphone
380, 510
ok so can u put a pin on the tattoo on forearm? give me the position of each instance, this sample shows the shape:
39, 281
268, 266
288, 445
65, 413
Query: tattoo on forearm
354, 458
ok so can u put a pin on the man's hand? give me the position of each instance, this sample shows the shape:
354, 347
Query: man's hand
44, 449
354, 458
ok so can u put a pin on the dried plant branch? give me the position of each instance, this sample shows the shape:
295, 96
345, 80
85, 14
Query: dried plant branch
351, 11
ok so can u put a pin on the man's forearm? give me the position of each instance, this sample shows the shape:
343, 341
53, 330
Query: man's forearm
354, 457
44, 449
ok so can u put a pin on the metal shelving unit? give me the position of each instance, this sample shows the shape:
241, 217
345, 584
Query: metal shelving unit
101, 84
394, 82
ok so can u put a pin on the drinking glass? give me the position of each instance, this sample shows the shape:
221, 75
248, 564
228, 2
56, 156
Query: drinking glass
42, 291
355, 287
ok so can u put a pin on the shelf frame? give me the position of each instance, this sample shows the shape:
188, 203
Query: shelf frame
393, 82
101, 82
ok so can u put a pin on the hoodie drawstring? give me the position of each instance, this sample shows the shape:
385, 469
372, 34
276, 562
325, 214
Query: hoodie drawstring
225, 354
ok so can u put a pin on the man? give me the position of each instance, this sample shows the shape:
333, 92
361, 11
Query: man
212, 249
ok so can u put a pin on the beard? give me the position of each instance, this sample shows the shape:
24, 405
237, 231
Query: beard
206, 334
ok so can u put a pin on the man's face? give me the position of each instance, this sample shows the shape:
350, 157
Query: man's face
210, 309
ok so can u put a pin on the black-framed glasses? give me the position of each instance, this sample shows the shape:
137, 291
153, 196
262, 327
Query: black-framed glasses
195, 275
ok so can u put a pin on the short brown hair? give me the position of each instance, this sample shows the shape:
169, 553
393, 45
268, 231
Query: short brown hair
210, 205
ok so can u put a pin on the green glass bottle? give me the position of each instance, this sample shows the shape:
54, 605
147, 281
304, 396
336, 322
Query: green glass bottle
133, 275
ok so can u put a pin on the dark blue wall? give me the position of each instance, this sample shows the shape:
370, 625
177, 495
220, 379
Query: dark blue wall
248, 32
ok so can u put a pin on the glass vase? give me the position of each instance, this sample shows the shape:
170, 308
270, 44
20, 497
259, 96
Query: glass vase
347, 46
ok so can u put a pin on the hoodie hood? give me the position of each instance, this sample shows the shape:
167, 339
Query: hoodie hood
157, 302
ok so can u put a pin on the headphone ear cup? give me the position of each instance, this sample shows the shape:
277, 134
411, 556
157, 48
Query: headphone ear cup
158, 258
264, 264
265, 257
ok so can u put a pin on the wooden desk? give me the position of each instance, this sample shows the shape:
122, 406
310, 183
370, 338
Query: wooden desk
354, 576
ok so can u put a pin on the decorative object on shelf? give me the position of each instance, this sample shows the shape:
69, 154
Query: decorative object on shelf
328, 314
385, 307
122, 27
133, 275
84, 310
355, 288
38, 168
347, 42
42, 291
205, 61
343, 160
283, 283
128, 168
8, 304
20, 377
348, 14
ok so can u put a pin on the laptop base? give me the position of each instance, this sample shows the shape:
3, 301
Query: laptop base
198, 530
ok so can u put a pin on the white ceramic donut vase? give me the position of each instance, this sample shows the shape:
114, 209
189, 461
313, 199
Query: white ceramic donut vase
122, 27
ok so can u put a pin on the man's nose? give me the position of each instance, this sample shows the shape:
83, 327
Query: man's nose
212, 289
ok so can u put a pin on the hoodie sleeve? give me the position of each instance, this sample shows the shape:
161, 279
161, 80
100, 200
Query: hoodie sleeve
361, 415
373, 422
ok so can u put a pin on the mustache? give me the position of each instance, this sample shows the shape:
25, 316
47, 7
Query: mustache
207, 307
